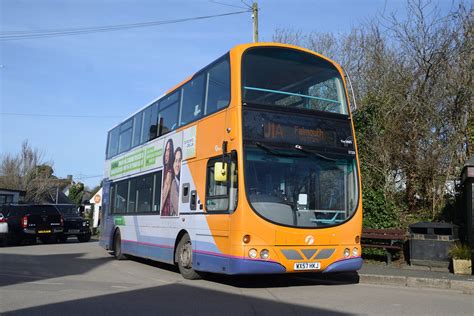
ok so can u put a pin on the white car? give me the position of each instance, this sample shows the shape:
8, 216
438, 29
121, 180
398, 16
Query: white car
3, 229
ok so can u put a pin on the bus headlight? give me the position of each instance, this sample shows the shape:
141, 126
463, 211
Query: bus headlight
347, 252
253, 253
264, 254
355, 252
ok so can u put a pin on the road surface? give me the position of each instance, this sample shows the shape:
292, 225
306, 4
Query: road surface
83, 279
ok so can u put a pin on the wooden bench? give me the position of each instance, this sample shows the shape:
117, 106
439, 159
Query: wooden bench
391, 240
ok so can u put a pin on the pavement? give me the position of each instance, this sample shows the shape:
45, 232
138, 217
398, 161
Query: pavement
415, 276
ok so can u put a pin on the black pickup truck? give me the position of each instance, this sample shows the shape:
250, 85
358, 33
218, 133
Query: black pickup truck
27, 222
74, 224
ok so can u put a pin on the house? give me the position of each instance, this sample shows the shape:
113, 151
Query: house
8, 196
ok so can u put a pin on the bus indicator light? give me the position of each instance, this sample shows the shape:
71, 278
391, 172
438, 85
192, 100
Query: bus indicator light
357, 239
246, 239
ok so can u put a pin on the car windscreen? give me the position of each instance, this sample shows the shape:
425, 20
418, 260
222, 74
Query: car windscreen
42, 209
68, 210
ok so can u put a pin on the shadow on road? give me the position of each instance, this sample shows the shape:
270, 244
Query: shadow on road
173, 299
21, 268
268, 280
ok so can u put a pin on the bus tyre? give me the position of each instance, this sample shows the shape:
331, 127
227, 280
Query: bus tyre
118, 247
184, 256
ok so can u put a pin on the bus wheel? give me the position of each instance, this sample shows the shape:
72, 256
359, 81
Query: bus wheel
184, 254
118, 247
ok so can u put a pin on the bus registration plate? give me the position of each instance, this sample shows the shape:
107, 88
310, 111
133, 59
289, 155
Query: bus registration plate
307, 266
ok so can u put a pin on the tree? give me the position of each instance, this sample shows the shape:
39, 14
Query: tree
412, 79
26, 171
76, 191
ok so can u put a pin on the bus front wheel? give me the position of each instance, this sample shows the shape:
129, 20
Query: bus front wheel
118, 247
184, 254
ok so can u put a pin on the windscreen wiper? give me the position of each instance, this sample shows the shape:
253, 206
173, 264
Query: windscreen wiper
275, 152
300, 148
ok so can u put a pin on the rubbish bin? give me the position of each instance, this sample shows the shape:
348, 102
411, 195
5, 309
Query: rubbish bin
430, 243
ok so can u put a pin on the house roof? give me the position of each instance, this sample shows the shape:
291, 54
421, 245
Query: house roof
22, 193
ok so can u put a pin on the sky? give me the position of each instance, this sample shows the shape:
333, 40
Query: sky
107, 76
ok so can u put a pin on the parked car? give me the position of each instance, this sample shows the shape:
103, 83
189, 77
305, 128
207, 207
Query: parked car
27, 222
74, 224
3, 229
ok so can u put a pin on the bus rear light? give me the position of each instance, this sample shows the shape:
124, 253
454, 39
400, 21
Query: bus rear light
347, 253
264, 254
357, 239
246, 239
24, 221
253, 253
3, 219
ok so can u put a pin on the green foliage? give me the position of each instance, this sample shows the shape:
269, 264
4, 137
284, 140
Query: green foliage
460, 251
76, 192
378, 211
44, 171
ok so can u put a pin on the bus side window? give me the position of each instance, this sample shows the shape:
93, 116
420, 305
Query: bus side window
218, 86
113, 142
193, 99
168, 115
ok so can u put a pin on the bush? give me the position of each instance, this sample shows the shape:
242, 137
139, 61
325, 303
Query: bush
378, 212
460, 251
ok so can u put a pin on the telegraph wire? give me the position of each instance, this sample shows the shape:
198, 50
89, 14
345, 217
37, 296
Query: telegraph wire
59, 115
82, 177
19, 35
227, 4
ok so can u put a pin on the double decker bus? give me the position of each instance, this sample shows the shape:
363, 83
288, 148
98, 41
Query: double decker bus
248, 167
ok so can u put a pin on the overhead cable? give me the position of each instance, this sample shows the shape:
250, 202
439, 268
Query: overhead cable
19, 35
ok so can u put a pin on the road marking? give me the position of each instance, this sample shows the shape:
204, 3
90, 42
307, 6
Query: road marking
119, 287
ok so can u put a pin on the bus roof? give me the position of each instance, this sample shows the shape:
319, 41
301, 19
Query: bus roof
238, 49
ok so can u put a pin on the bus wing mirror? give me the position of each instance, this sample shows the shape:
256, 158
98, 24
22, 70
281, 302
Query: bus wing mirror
220, 171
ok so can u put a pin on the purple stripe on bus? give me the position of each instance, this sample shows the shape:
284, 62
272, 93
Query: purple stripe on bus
351, 264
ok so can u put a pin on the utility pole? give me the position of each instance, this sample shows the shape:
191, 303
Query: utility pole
255, 21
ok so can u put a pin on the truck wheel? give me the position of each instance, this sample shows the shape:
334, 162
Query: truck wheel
184, 255
84, 238
118, 247
48, 239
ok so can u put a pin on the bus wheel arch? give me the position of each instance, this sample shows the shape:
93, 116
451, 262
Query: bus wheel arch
117, 245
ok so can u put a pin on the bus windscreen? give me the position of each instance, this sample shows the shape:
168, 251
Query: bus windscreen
289, 78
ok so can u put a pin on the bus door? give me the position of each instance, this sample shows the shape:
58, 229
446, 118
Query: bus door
107, 219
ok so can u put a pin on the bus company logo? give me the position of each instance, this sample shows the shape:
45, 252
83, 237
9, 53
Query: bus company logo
309, 240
